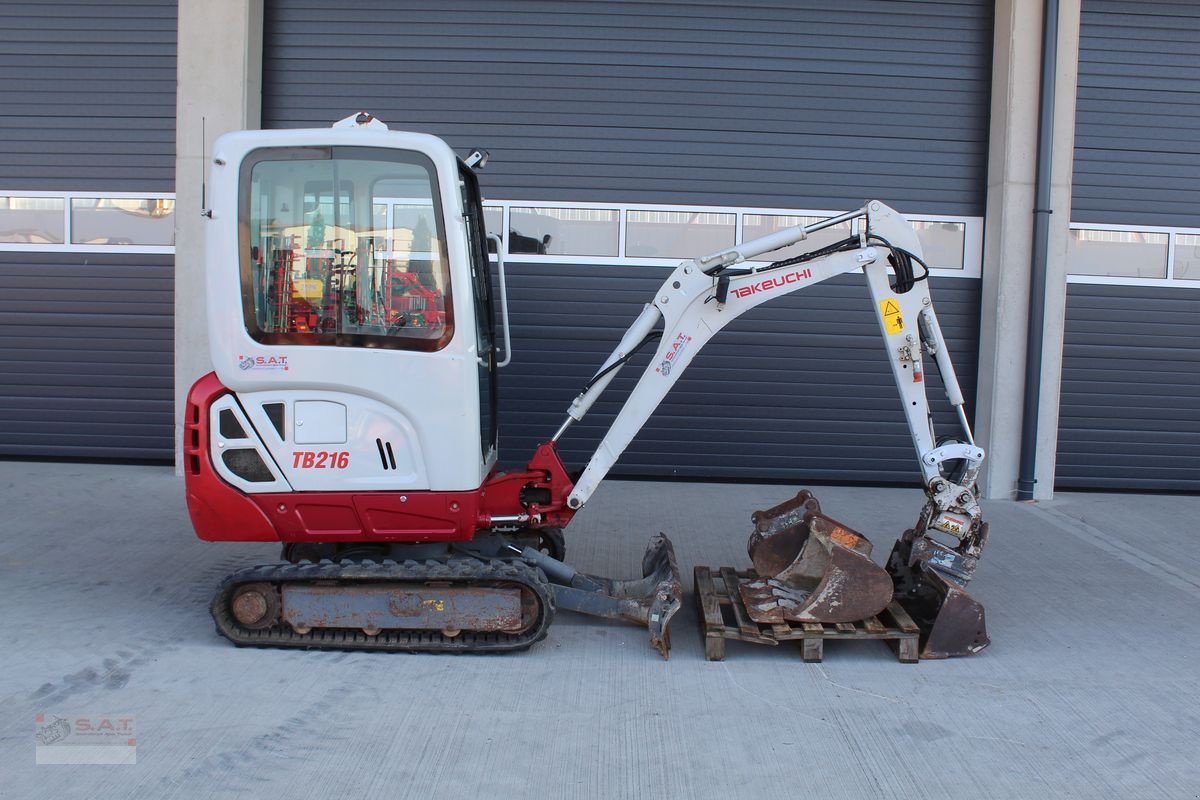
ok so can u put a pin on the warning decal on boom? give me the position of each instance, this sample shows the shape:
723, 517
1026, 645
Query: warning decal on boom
892, 321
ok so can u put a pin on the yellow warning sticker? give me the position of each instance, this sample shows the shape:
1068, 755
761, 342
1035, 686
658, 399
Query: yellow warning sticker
892, 321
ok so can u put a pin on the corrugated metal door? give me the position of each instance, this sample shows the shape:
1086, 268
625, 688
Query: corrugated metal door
1131, 363
1130, 415
801, 105
87, 104
1137, 153
797, 105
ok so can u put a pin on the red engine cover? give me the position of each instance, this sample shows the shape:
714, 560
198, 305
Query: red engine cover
222, 513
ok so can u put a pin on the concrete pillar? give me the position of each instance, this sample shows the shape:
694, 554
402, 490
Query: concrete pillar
219, 90
1008, 236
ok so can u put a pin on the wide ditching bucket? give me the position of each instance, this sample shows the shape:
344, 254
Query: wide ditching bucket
811, 568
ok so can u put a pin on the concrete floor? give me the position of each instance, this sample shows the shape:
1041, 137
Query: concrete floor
1089, 690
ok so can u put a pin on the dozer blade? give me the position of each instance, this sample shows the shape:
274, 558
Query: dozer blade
952, 622
651, 600
811, 568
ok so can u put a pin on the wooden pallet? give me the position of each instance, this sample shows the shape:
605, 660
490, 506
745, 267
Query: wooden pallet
723, 616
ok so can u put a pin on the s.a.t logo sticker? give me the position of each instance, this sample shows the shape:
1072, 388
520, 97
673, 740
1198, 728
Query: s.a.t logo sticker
673, 353
268, 363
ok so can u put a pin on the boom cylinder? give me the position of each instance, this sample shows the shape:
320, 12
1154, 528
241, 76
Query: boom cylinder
640, 329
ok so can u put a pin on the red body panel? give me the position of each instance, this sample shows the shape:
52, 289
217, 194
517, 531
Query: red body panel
218, 511
221, 512
371, 516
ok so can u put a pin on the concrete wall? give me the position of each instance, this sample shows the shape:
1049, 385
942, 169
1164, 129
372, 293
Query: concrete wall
1008, 241
220, 90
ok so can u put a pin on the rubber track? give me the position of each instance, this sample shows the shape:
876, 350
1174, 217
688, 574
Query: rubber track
464, 570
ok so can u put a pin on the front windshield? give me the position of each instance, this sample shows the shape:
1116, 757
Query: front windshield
344, 246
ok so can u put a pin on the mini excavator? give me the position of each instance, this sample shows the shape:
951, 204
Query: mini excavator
351, 416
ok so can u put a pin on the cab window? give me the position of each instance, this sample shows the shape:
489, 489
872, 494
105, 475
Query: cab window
344, 246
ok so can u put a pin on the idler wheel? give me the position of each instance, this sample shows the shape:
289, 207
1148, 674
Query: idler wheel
255, 605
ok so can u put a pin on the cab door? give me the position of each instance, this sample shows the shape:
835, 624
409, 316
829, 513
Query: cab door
485, 325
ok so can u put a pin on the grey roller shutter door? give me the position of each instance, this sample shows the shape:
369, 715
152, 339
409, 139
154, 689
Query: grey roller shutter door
794, 105
1131, 360
87, 104
86, 363
88, 96
800, 105
1137, 147
1130, 413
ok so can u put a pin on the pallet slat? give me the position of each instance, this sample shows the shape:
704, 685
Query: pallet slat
747, 627
710, 608
902, 618
812, 649
710, 615
717, 588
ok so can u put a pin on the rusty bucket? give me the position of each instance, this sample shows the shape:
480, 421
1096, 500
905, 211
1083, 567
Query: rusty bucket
952, 622
811, 567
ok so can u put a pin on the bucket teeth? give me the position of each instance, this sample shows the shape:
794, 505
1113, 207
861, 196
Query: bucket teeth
811, 567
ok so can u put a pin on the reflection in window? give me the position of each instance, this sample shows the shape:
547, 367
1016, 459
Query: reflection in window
122, 221
493, 219
1187, 256
756, 225
565, 231
677, 234
409, 230
493, 222
346, 251
32, 220
1127, 254
942, 242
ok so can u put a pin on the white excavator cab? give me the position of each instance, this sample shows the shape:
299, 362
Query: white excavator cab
350, 310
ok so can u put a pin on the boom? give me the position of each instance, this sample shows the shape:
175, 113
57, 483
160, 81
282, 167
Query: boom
702, 296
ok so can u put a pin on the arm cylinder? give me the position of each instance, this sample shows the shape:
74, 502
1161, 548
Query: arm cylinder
748, 250
771, 242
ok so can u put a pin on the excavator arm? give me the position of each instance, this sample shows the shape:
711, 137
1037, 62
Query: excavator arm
934, 560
